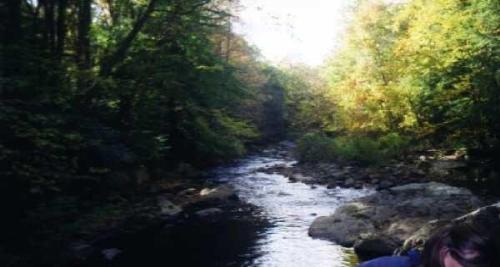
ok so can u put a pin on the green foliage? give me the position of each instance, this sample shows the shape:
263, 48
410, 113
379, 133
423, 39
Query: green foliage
307, 106
35, 149
422, 68
316, 147
94, 90
153, 82
223, 140
362, 149
393, 144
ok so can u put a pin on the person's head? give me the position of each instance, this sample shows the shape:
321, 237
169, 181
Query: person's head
461, 245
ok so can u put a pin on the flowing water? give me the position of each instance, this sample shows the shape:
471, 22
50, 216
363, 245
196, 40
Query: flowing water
291, 208
287, 208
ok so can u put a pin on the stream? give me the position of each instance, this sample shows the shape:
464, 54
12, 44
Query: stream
291, 208
287, 208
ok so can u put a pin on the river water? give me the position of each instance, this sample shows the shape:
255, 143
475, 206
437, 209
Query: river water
290, 208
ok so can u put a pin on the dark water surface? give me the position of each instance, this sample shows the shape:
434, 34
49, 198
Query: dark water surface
287, 208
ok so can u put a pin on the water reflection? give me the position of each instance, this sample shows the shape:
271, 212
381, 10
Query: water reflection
291, 207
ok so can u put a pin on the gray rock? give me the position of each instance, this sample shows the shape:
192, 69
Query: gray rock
80, 250
221, 193
393, 215
283, 194
331, 185
384, 184
445, 167
210, 212
336, 173
300, 177
187, 192
343, 227
432, 189
110, 253
349, 182
167, 208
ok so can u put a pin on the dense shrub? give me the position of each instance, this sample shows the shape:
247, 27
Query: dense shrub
315, 147
361, 149
393, 144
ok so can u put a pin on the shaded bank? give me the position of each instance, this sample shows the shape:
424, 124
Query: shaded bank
214, 240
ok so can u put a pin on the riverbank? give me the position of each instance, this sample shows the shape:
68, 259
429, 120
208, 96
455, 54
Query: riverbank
213, 218
450, 167
410, 193
257, 209
73, 232
268, 226
101, 230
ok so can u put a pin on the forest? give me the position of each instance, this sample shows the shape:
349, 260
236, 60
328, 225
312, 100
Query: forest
101, 98
422, 71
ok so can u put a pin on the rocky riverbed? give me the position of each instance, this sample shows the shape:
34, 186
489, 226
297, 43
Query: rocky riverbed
260, 211
380, 223
412, 200
239, 216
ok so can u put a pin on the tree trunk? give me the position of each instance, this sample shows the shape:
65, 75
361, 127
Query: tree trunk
12, 22
228, 41
61, 28
49, 30
11, 42
110, 61
83, 44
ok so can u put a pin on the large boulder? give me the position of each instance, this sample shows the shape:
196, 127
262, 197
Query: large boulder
110, 253
446, 167
344, 226
223, 193
391, 216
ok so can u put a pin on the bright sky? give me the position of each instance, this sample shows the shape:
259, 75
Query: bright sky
303, 31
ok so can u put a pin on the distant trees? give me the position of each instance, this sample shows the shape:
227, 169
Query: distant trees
451, 55
425, 69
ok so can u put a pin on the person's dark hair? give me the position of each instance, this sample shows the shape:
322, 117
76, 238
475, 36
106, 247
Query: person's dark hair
469, 245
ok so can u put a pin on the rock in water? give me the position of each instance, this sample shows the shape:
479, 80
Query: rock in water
342, 228
299, 177
391, 216
167, 208
221, 193
110, 253
210, 212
